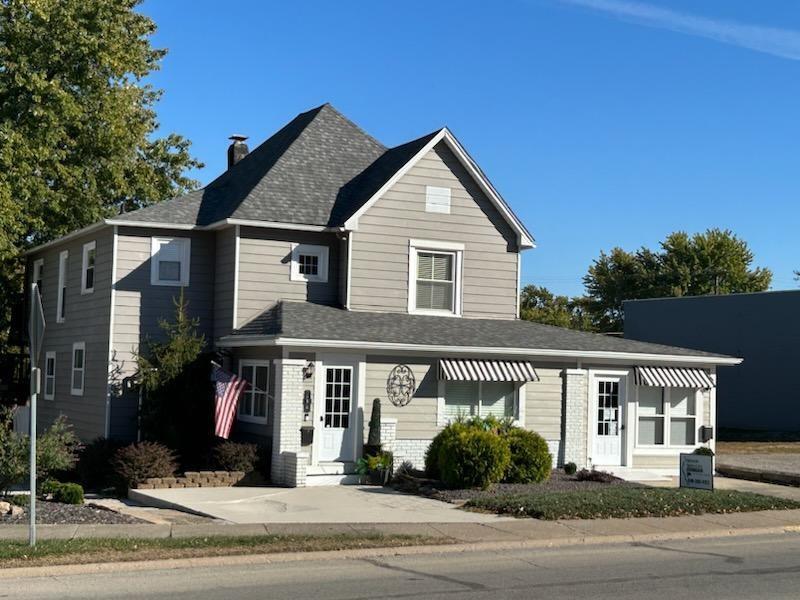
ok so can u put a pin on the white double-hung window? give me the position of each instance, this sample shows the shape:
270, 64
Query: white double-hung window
49, 375
61, 306
38, 273
309, 263
253, 404
169, 261
87, 267
667, 416
78, 368
435, 277
479, 398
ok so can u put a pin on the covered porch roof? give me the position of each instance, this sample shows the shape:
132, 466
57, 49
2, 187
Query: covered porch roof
303, 324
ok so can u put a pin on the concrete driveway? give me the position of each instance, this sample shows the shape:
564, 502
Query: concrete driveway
328, 504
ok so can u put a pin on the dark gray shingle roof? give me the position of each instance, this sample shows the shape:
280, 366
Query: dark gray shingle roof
317, 170
303, 320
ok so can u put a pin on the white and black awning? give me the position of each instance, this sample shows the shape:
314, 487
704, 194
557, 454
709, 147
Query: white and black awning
672, 377
457, 369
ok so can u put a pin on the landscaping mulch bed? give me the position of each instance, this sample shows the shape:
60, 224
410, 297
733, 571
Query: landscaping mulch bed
56, 513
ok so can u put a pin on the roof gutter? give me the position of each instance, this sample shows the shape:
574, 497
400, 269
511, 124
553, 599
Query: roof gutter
233, 341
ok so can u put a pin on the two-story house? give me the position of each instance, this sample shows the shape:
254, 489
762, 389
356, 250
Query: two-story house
330, 270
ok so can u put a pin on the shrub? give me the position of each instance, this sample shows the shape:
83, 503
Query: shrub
472, 457
13, 452
135, 463
56, 449
432, 469
570, 468
705, 451
234, 456
95, 468
373, 445
68, 493
530, 460
593, 475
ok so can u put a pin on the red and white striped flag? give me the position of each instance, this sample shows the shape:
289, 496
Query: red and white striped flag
227, 390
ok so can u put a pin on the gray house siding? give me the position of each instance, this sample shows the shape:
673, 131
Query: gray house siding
86, 320
544, 403
265, 270
139, 306
225, 269
763, 328
380, 270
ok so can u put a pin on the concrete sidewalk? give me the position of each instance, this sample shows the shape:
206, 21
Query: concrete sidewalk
516, 531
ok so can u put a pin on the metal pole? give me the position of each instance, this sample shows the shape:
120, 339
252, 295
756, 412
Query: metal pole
32, 504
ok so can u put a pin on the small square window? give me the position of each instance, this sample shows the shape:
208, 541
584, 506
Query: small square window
309, 263
170, 261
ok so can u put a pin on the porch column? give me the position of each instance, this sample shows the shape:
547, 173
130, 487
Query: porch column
286, 422
576, 405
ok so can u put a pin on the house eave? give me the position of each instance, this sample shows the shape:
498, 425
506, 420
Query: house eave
636, 357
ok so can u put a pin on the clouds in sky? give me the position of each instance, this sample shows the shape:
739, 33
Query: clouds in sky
784, 43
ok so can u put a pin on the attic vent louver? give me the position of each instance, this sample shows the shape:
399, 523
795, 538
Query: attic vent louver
237, 150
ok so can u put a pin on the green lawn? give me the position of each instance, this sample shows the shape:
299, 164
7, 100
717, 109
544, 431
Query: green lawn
53, 552
621, 502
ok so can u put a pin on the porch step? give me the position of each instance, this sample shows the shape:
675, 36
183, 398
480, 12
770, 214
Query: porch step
331, 468
318, 480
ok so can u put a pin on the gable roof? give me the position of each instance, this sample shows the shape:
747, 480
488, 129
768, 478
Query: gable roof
304, 323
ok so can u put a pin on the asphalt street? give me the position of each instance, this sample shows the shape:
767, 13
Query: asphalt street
734, 567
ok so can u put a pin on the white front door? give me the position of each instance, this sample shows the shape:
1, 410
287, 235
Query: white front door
336, 415
609, 402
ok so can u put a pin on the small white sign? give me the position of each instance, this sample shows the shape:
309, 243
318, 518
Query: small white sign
697, 471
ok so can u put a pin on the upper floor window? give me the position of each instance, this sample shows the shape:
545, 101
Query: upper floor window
38, 273
437, 199
61, 306
49, 375
87, 267
435, 282
78, 368
169, 261
309, 263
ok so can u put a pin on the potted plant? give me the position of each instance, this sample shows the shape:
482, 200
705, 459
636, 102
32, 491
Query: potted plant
375, 469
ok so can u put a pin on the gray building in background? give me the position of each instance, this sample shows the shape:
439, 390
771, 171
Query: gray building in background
763, 328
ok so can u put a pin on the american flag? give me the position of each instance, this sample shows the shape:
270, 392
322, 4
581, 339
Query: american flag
227, 390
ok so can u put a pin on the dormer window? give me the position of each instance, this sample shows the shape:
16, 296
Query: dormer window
309, 263
169, 261
435, 281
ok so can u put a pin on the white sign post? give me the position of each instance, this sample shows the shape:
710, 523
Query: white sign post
697, 471
35, 335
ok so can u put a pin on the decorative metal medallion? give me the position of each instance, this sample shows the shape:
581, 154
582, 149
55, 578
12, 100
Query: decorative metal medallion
400, 386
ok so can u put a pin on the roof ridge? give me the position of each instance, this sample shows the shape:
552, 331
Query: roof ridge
358, 127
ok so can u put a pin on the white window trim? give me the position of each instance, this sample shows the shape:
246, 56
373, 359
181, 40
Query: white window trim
321, 252
88, 247
438, 199
520, 398
38, 266
73, 390
155, 243
667, 416
249, 418
63, 263
454, 248
47, 357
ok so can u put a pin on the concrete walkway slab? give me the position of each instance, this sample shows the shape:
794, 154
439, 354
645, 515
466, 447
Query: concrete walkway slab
330, 504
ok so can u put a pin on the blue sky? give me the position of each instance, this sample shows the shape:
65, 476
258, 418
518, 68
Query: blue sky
602, 122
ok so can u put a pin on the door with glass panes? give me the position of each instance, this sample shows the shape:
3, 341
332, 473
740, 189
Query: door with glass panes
335, 415
607, 420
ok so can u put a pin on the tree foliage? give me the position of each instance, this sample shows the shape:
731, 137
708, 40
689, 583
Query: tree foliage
542, 306
77, 123
713, 262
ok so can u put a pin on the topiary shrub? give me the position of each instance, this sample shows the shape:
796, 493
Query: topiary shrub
68, 493
95, 463
570, 468
472, 457
703, 450
373, 445
135, 463
234, 456
530, 460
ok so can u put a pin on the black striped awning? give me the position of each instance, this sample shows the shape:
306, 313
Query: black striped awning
672, 377
457, 369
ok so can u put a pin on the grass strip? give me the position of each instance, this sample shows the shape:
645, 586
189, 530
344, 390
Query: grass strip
623, 502
88, 550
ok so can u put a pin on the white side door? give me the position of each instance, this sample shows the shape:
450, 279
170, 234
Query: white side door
607, 420
335, 414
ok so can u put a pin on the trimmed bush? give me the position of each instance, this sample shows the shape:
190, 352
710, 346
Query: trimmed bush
68, 493
570, 468
234, 456
432, 469
137, 462
703, 450
593, 475
472, 457
95, 468
530, 460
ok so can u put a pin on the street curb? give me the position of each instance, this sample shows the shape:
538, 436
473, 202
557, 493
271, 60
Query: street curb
749, 474
360, 554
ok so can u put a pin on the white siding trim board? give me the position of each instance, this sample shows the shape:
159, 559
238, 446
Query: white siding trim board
113, 300
236, 277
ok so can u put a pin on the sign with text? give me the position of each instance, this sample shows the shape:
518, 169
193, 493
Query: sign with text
697, 471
